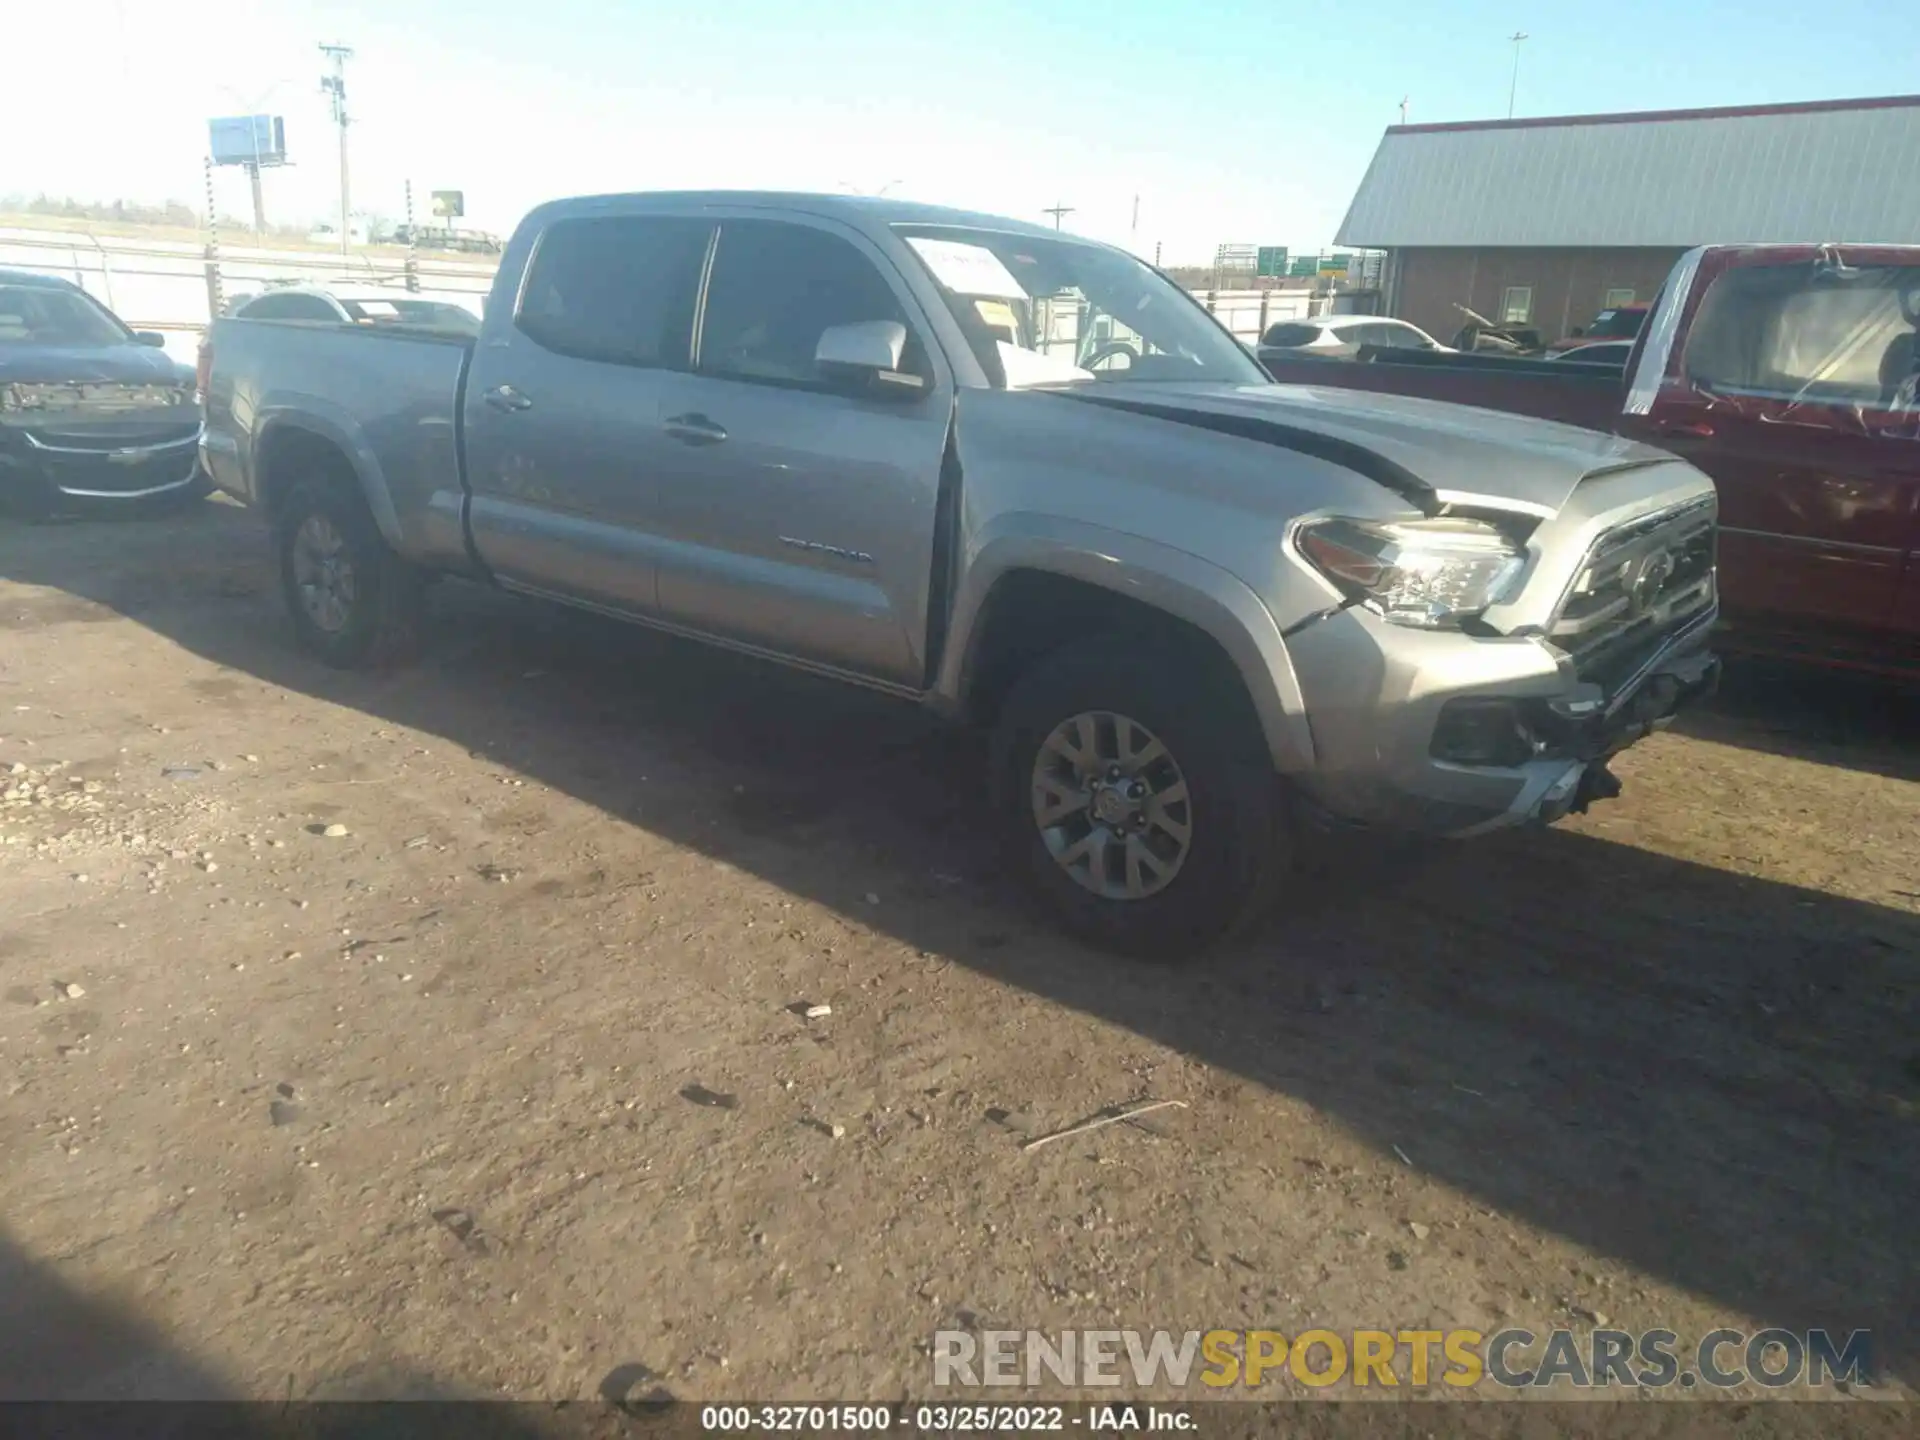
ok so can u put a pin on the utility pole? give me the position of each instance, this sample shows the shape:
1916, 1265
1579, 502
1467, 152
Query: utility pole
216, 301
1136, 222
259, 199
335, 87
1517, 39
1058, 212
1403, 108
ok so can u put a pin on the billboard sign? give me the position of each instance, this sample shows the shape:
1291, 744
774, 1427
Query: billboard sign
449, 204
248, 140
1272, 262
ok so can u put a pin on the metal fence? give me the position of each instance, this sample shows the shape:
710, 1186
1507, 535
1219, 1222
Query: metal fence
173, 286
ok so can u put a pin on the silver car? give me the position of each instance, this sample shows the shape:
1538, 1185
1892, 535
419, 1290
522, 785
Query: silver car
1020, 479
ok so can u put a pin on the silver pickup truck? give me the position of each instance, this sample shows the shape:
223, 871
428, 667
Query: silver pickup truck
1019, 478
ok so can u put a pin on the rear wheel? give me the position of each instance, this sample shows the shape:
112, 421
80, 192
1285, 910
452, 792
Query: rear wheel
353, 601
1137, 796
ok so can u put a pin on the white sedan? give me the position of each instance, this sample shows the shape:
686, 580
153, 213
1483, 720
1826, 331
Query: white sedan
1340, 337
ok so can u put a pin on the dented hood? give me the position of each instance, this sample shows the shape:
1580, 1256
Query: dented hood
1427, 450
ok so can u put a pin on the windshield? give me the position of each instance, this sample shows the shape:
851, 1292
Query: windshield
32, 315
1041, 311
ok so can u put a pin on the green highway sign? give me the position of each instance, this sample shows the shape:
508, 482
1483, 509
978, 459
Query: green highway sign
1334, 264
1271, 261
1304, 265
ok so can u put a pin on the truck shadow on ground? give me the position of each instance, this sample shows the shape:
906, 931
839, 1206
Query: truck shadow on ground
1855, 722
1711, 1077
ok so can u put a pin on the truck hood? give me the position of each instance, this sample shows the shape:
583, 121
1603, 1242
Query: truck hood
1431, 452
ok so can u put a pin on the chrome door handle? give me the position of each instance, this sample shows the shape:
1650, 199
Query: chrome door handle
505, 397
695, 429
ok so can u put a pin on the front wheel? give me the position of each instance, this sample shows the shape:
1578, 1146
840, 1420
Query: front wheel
1137, 796
353, 601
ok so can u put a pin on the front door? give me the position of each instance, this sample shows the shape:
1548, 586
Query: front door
1793, 393
563, 441
796, 515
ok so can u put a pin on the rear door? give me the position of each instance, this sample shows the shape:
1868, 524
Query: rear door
796, 516
1787, 389
563, 440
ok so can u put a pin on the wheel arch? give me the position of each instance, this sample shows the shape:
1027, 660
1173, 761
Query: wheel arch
1107, 580
292, 447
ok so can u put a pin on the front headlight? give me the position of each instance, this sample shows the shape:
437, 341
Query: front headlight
25, 396
1430, 574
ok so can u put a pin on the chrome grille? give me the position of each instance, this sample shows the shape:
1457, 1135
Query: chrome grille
1641, 581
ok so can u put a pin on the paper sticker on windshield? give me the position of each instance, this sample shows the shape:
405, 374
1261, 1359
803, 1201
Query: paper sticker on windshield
967, 269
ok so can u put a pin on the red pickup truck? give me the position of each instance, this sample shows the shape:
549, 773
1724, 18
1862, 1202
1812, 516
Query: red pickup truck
1788, 373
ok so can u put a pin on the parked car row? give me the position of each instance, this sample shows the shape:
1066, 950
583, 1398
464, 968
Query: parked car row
94, 414
1203, 616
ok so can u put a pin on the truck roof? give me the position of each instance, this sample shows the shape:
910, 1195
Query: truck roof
858, 209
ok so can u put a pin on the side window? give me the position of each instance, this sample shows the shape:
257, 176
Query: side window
1393, 337
1516, 305
775, 287
616, 288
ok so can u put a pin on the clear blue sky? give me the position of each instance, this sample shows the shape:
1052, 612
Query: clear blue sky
1252, 124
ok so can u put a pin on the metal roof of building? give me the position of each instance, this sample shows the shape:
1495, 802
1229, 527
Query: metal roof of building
1832, 170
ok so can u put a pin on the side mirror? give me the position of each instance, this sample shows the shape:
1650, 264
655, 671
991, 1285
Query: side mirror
868, 353
153, 339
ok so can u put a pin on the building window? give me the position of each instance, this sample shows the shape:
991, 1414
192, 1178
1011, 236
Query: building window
1516, 305
1617, 298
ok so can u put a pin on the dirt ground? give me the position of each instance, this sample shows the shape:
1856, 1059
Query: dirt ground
405, 1110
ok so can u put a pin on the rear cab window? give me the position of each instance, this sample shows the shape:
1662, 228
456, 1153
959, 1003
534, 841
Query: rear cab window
1289, 336
287, 307
1814, 336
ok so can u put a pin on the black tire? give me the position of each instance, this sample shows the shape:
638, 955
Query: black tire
384, 622
1197, 710
29, 499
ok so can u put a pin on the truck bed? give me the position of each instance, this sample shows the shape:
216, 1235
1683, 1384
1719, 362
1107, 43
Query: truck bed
1585, 395
389, 396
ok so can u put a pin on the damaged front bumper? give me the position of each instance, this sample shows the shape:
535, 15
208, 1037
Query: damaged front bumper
1453, 735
